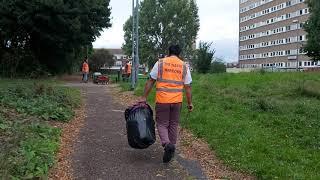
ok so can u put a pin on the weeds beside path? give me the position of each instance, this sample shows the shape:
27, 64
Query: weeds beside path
28, 141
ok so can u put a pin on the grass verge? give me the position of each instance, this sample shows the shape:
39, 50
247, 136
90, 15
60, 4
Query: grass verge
28, 142
266, 124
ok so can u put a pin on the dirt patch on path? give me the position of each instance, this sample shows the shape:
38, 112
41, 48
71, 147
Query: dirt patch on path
190, 147
69, 135
197, 149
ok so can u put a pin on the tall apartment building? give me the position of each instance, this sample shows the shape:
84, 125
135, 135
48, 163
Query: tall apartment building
271, 34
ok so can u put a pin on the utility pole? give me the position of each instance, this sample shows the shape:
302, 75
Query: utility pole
133, 83
135, 43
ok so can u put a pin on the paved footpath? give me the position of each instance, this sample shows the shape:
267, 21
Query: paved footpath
102, 151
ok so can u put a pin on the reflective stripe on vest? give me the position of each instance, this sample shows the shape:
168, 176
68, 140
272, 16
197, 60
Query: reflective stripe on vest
169, 90
170, 82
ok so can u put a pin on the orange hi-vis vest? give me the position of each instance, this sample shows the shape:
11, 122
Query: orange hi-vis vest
85, 67
128, 68
170, 83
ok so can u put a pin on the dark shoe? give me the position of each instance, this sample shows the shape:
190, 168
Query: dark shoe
169, 150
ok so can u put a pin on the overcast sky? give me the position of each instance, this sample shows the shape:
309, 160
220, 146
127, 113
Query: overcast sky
218, 23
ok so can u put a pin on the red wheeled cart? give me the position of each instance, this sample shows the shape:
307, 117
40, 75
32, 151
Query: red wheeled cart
103, 80
98, 78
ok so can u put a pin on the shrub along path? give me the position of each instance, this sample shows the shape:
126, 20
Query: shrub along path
102, 151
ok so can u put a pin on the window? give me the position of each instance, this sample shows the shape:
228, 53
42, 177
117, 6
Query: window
301, 25
288, 40
288, 3
118, 63
288, 28
288, 16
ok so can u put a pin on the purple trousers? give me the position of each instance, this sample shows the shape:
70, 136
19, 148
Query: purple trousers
167, 118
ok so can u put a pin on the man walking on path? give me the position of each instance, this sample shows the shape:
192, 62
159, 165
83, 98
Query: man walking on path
171, 76
85, 70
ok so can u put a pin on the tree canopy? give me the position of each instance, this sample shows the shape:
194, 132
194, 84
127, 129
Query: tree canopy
312, 27
163, 23
51, 35
100, 58
204, 57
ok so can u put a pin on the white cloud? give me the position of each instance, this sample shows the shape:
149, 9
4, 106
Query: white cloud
218, 23
113, 37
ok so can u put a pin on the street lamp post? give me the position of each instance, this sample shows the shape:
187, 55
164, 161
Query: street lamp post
133, 47
135, 43
296, 21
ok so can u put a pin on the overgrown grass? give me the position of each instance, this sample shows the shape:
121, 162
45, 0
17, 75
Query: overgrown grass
41, 100
28, 143
266, 124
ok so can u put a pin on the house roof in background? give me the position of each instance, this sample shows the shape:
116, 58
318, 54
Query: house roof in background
113, 51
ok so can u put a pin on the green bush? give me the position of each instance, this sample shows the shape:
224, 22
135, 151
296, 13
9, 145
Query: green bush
218, 67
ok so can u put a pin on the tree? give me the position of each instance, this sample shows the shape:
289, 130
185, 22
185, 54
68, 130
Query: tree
204, 57
100, 58
312, 27
163, 23
55, 34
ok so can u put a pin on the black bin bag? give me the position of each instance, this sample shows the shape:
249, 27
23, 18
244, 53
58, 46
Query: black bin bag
140, 126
